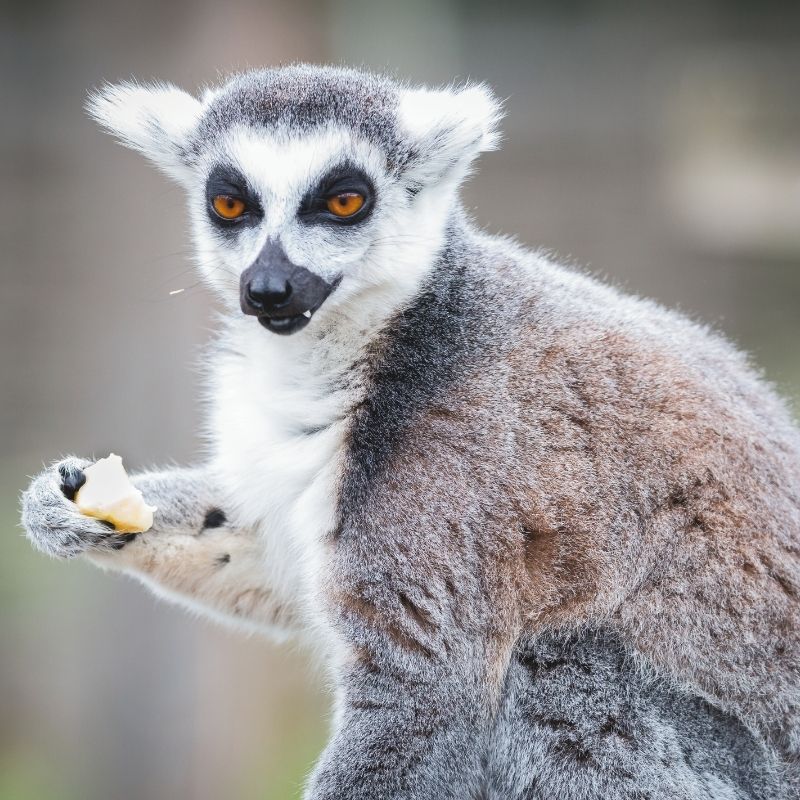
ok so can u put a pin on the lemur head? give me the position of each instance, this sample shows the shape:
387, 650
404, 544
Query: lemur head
308, 183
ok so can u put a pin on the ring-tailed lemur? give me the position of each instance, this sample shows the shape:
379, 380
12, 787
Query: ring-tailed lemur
546, 535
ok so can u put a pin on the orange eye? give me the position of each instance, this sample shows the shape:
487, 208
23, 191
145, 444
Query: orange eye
228, 207
345, 204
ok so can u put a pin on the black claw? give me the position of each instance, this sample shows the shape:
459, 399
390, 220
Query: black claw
72, 478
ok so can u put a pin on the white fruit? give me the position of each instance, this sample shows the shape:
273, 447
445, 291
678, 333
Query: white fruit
108, 494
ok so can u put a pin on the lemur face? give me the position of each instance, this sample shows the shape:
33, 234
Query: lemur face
309, 185
285, 219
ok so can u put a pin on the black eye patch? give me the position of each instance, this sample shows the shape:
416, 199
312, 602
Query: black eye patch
341, 180
227, 181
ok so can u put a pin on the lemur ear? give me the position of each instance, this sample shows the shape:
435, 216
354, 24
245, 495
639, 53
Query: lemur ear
448, 129
156, 120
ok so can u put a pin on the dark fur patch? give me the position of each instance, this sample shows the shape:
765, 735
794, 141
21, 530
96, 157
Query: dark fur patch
215, 518
421, 354
222, 560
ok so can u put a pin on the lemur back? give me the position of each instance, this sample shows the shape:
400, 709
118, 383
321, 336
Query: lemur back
543, 534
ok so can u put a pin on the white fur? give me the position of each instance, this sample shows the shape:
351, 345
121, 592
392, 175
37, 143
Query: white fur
451, 127
155, 120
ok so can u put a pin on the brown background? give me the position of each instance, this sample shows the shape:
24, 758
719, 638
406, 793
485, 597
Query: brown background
655, 144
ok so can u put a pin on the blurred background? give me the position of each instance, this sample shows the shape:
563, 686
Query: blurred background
657, 145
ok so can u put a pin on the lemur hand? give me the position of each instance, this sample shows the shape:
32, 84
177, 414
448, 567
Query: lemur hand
53, 522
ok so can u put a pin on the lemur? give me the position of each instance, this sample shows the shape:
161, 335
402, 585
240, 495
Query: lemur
544, 535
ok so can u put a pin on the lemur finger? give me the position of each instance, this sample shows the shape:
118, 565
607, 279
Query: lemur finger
72, 478
118, 540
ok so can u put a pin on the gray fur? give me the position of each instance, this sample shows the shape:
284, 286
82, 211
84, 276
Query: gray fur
578, 705
303, 98
564, 559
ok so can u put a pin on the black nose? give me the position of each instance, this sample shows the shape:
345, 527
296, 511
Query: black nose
283, 295
267, 292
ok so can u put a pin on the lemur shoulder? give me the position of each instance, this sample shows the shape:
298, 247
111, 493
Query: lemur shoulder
544, 534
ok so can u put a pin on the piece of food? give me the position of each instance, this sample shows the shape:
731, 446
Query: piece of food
108, 494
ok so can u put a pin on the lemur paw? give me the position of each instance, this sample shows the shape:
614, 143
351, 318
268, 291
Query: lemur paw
52, 521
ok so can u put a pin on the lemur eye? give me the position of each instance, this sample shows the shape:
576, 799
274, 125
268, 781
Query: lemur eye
345, 204
228, 207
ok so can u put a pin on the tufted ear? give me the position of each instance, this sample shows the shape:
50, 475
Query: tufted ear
156, 120
447, 129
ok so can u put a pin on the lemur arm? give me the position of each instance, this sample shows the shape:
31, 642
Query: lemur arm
192, 554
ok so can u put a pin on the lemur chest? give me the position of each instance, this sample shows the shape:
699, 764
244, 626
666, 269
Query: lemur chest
279, 429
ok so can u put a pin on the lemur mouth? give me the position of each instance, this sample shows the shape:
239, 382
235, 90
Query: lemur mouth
281, 295
286, 325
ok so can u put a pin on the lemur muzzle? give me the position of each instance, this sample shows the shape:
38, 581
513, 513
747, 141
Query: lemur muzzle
283, 295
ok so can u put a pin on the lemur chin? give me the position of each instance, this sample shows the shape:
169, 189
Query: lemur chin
544, 535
